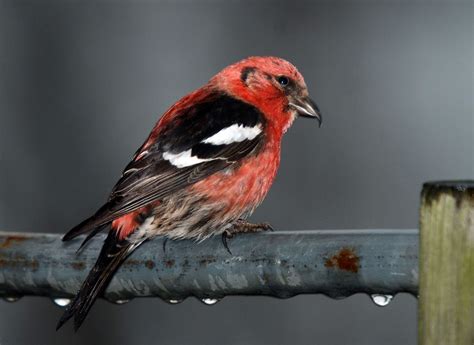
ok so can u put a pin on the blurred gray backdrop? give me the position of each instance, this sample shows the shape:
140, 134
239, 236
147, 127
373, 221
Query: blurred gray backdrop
83, 82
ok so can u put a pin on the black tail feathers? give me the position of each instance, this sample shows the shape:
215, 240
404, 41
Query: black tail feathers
87, 225
101, 218
113, 253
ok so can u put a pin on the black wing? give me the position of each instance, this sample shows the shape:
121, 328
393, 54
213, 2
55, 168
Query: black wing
153, 178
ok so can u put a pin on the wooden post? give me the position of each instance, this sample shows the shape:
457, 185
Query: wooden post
446, 301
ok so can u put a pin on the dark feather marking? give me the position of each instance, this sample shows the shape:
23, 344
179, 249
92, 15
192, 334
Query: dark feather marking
293, 88
201, 224
246, 71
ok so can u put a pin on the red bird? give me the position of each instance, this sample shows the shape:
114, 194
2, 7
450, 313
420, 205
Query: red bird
206, 165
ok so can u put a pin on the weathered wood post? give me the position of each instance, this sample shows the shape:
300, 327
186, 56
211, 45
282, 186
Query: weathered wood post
446, 301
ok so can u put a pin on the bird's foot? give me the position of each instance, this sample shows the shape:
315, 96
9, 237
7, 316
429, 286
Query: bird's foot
242, 226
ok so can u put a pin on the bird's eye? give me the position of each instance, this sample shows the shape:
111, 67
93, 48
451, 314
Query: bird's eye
283, 81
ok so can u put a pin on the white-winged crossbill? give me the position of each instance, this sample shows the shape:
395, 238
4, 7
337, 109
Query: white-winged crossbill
206, 165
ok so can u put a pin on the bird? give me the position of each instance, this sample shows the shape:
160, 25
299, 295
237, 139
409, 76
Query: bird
206, 165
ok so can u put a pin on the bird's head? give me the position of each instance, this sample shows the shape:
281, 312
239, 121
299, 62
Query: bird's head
271, 84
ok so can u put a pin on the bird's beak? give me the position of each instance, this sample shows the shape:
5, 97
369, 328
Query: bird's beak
306, 107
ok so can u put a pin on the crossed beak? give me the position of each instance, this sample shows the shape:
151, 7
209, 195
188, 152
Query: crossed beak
306, 107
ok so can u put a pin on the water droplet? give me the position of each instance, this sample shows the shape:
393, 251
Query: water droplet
11, 299
210, 301
174, 301
120, 301
381, 300
62, 302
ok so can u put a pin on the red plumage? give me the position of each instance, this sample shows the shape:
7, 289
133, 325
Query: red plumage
206, 165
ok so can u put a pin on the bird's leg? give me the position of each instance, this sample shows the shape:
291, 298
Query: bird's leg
242, 226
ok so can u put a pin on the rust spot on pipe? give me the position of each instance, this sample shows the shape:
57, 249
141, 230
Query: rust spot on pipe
149, 264
346, 259
18, 261
169, 263
207, 260
78, 266
9, 240
133, 262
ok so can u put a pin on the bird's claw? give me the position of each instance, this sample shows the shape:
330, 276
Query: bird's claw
266, 226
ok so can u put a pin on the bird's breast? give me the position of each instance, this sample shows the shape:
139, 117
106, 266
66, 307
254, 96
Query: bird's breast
242, 188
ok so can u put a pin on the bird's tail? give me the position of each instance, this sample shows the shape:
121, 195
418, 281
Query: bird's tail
113, 253
101, 218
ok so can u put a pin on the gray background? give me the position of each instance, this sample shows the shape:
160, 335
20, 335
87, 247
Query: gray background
82, 83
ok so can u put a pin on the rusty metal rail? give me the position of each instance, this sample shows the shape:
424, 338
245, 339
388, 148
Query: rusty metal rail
282, 264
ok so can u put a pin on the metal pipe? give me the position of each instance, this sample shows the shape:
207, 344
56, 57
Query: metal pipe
282, 264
